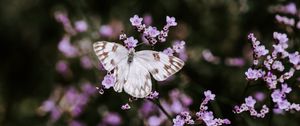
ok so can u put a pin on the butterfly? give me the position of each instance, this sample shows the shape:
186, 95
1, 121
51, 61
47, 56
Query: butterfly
132, 69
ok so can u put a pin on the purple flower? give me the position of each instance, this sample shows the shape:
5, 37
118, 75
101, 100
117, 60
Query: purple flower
112, 119
178, 46
86, 62
136, 20
253, 74
76, 123
285, 88
282, 39
260, 96
285, 20
125, 106
130, 42
277, 65
291, 8
55, 114
284, 104
48, 105
298, 25
238, 62
106, 30
152, 32
178, 121
88, 89
169, 51
177, 106
261, 51
209, 95
250, 102
276, 96
81, 26
154, 121
171, 21
147, 19
294, 58
62, 67
66, 47
108, 81
153, 95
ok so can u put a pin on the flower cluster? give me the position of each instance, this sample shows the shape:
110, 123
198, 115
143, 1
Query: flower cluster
291, 12
176, 104
71, 101
279, 97
268, 66
178, 48
151, 34
208, 56
249, 106
202, 115
111, 119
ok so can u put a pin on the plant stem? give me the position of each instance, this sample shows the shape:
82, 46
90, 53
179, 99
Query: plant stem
158, 104
245, 90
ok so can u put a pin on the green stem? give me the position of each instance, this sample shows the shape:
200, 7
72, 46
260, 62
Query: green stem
158, 104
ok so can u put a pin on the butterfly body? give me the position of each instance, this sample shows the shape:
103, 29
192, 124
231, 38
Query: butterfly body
130, 56
132, 69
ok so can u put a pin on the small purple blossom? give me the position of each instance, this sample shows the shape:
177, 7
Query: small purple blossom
151, 32
106, 30
81, 26
169, 51
112, 118
250, 102
67, 48
253, 74
178, 46
86, 62
136, 20
125, 106
62, 67
209, 95
171, 21
153, 95
294, 58
178, 121
130, 42
108, 81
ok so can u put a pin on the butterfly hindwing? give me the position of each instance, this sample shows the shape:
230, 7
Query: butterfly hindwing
160, 65
110, 54
138, 82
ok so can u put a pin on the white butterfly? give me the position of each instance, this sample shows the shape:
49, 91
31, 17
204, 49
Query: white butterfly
132, 69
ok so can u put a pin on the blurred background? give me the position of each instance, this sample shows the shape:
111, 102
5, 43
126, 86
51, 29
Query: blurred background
48, 70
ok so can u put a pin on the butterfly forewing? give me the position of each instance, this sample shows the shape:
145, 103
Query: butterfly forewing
110, 54
160, 65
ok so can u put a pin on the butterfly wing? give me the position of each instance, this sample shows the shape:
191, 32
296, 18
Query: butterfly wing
160, 65
138, 81
121, 72
110, 54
